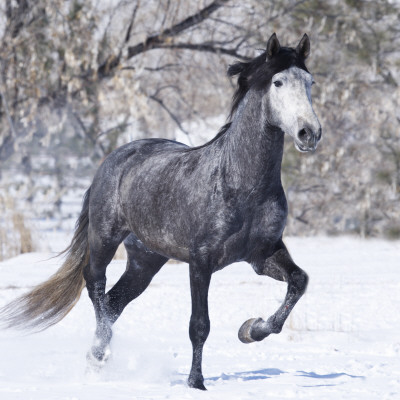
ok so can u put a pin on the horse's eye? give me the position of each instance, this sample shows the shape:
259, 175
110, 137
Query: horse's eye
278, 83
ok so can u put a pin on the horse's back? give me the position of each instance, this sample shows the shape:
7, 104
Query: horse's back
136, 190
141, 150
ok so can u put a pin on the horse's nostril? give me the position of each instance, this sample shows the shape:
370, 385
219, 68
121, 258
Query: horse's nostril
302, 135
319, 134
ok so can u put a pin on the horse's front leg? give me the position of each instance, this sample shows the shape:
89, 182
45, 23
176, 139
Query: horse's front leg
199, 327
279, 266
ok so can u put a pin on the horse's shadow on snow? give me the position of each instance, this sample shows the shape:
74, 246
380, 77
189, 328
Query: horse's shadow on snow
247, 375
326, 377
236, 376
270, 372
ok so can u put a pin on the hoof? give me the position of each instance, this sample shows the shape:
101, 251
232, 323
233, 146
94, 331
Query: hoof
196, 383
97, 359
244, 333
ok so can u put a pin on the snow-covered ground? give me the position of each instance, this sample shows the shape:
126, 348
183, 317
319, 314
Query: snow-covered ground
342, 340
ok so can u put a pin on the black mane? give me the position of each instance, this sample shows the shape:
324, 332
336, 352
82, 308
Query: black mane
257, 73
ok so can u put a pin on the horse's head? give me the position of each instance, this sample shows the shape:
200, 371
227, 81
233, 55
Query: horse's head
289, 96
281, 76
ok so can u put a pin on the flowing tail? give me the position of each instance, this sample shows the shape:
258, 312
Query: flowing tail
49, 302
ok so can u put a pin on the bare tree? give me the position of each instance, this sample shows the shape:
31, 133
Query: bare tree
79, 78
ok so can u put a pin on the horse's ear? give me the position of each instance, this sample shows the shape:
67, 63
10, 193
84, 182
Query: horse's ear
303, 48
273, 46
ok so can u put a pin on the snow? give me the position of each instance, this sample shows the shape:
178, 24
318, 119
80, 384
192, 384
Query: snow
341, 342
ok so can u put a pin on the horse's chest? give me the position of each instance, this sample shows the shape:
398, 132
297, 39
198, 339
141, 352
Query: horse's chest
257, 229
270, 219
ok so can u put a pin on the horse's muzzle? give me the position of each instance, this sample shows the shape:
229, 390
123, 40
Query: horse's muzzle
307, 139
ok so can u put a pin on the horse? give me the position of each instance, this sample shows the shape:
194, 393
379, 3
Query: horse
208, 206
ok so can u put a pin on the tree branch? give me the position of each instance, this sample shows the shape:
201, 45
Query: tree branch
128, 32
162, 67
163, 38
119, 127
86, 133
170, 113
205, 47
166, 35
192, 20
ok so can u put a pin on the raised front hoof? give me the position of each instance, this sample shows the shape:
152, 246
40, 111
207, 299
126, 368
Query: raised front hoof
245, 330
196, 383
97, 359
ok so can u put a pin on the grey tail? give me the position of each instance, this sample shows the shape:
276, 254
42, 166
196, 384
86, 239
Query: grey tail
49, 302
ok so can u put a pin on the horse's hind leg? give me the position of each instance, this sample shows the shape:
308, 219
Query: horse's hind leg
141, 267
101, 254
279, 266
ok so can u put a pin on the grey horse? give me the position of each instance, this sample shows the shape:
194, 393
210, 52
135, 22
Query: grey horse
209, 206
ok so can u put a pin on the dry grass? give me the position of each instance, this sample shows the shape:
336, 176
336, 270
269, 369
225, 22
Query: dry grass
15, 235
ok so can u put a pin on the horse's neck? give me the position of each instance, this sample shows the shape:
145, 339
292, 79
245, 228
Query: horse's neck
253, 152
